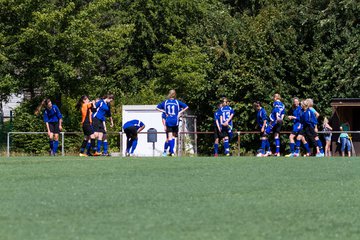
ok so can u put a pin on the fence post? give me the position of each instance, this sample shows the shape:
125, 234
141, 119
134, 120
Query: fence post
121, 143
62, 144
195, 137
8, 145
238, 143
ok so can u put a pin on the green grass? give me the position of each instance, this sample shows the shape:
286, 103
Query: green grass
179, 198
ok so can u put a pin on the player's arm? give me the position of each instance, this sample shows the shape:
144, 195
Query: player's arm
263, 126
141, 128
48, 128
183, 110
104, 124
218, 125
111, 122
60, 124
226, 123
161, 107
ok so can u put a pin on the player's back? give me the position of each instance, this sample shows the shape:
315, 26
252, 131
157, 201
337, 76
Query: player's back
226, 113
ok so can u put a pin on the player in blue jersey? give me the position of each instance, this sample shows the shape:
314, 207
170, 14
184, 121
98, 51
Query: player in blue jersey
85, 107
276, 121
172, 108
227, 114
310, 103
166, 144
104, 139
301, 134
99, 117
131, 129
261, 120
53, 120
310, 128
217, 129
294, 116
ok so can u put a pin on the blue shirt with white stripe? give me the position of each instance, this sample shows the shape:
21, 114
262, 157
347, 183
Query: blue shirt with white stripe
172, 107
102, 109
134, 123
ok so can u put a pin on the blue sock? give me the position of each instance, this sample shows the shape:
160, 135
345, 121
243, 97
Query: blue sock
166, 145
216, 148
267, 145
105, 146
277, 144
99, 143
297, 146
319, 143
307, 148
56, 144
292, 147
172, 145
263, 146
133, 145
51, 142
226, 146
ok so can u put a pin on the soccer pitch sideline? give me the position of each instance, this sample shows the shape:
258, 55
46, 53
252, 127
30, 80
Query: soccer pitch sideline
179, 198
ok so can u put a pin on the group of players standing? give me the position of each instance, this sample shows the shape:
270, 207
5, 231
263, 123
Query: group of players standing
304, 118
94, 114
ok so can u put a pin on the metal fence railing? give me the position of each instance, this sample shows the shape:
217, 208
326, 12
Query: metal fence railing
194, 138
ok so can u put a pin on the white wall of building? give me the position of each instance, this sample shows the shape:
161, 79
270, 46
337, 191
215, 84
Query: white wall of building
152, 119
14, 101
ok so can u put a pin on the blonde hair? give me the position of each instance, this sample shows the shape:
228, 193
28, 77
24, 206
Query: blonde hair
172, 93
304, 104
310, 102
326, 120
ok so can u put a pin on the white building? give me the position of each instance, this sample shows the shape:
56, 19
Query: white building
152, 119
14, 101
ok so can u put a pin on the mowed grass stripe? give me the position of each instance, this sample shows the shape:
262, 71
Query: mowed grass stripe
179, 198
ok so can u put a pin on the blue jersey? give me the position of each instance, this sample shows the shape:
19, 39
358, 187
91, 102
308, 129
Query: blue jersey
102, 109
297, 112
108, 112
278, 111
134, 123
226, 112
172, 107
313, 111
217, 115
261, 116
310, 118
53, 114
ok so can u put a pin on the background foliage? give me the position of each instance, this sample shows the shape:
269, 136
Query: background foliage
205, 49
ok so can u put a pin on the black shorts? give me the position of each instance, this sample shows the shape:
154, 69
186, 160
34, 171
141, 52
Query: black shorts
131, 132
263, 134
277, 128
87, 129
217, 133
172, 129
225, 132
98, 125
54, 127
310, 132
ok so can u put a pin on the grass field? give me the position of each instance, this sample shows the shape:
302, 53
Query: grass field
179, 198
